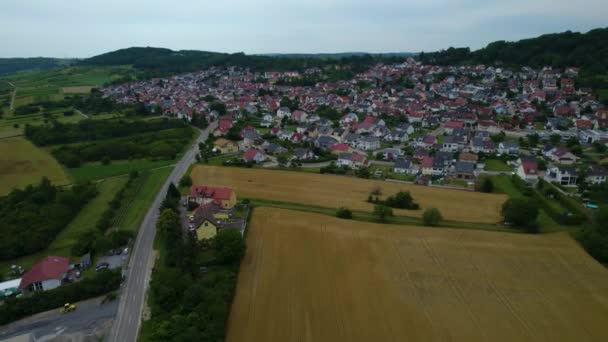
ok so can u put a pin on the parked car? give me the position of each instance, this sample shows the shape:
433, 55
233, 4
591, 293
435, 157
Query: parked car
67, 307
102, 266
591, 205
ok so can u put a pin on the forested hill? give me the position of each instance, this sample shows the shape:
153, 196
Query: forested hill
586, 50
10, 65
160, 60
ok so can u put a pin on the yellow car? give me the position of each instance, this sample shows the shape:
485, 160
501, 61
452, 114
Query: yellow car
67, 308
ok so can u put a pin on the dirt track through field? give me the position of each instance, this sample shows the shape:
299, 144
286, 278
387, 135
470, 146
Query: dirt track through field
336, 191
310, 277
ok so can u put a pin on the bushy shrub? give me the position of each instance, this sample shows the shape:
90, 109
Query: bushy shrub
344, 213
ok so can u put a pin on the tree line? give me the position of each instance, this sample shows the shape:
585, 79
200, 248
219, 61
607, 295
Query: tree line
32, 217
586, 50
91, 130
153, 62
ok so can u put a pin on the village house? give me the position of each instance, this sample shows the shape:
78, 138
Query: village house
391, 153
426, 166
508, 147
528, 169
283, 112
224, 197
352, 160
596, 175
45, 275
274, 149
563, 175
253, 155
340, 148
203, 222
369, 143
560, 155
303, 154
464, 170
404, 167
225, 146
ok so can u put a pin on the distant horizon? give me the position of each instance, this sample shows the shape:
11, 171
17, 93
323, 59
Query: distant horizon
267, 54
55, 29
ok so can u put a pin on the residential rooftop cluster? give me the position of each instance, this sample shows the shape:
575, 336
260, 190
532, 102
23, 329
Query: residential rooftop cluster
421, 120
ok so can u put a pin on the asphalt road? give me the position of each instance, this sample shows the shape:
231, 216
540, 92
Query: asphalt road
88, 315
128, 319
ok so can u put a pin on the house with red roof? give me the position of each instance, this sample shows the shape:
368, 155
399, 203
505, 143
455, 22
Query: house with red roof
224, 125
528, 169
47, 274
561, 155
449, 126
426, 165
225, 197
253, 155
340, 148
584, 124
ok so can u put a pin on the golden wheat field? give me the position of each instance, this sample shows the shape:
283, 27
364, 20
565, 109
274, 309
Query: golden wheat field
338, 191
309, 277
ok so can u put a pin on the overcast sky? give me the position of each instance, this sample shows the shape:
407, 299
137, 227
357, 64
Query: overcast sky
83, 28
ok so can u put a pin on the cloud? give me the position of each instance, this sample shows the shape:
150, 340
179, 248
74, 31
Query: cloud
86, 27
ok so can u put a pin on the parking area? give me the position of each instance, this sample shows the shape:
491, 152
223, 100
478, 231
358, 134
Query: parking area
117, 259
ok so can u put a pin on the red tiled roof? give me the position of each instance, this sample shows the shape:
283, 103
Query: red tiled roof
215, 192
339, 147
51, 267
454, 124
250, 154
530, 167
427, 162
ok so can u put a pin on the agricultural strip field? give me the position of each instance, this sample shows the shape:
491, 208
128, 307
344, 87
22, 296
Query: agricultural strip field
96, 170
86, 220
22, 163
338, 191
140, 198
311, 277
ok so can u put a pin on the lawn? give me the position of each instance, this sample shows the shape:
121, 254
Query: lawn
131, 216
22, 163
504, 185
317, 278
95, 171
218, 160
497, 165
332, 191
84, 221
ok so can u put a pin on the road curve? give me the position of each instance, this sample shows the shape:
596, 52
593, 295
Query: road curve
128, 318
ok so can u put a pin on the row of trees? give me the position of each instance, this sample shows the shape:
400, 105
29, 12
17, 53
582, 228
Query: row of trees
430, 217
32, 217
91, 130
401, 200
